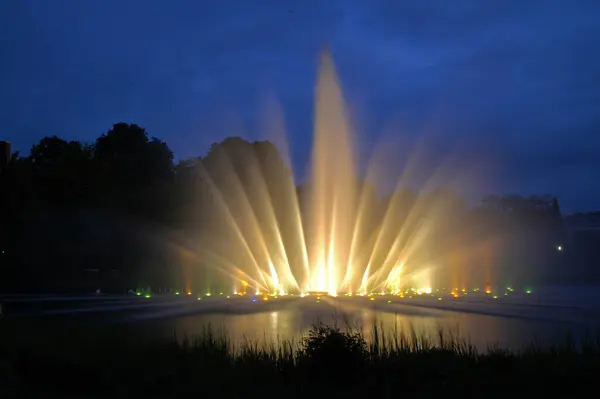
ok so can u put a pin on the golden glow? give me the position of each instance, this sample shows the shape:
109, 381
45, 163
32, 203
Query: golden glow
274, 240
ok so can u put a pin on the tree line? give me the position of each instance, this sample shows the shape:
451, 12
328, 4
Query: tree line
119, 212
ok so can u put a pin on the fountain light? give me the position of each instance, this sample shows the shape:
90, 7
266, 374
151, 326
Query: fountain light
331, 244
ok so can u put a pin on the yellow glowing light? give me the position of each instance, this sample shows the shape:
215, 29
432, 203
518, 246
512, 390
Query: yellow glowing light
337, 257
488, 291
265, 298
208, 294
189, 293
371, 299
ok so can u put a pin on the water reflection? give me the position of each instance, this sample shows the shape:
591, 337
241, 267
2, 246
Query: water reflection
293, 322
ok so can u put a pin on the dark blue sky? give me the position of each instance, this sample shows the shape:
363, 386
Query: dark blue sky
513, 81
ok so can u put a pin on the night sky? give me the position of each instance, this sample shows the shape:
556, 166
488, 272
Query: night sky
516, 82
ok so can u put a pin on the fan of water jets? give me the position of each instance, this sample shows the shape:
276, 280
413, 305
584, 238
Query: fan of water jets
330, 236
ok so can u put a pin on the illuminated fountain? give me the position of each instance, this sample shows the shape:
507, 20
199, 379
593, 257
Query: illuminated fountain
266, 237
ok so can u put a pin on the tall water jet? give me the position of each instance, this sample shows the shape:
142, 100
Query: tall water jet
333, 184
334, 234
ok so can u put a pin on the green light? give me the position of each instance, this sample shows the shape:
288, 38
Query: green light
176, 292
147, 296
138, 293
528, 291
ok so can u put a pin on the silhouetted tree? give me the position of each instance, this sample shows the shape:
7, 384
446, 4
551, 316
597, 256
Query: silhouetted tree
115, 204
135, 172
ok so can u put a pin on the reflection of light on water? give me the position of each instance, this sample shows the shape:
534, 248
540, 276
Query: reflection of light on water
292, 322
274, 317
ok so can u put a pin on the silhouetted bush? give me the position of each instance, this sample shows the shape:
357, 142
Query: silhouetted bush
329, 361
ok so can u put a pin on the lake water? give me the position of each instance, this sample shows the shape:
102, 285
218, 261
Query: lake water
510, 322
481, 324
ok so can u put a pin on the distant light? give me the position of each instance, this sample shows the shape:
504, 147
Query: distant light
559, 248
147, 296
528, 291
199, 298
176, 292
208, 294
495, 297
371, 299
189, 293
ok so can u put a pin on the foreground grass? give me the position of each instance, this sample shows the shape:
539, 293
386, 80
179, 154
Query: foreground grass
329, 361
